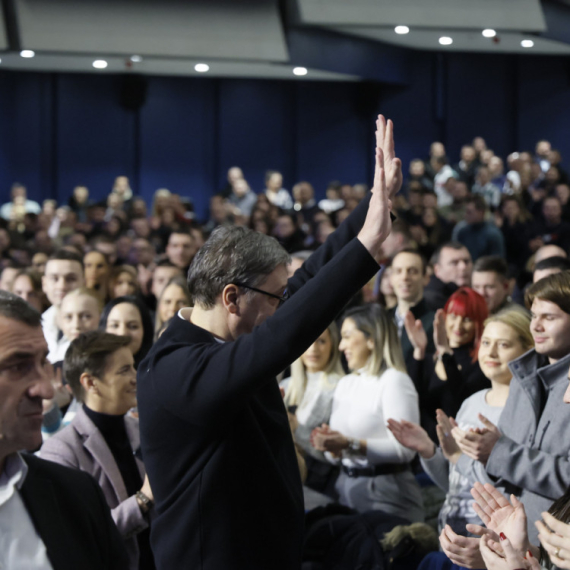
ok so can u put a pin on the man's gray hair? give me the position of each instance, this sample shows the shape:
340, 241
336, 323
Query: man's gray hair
233, 254
14, 307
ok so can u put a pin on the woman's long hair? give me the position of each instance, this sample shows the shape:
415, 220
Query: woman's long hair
466, 302
148, 329
182, 284
329, 376
375, 323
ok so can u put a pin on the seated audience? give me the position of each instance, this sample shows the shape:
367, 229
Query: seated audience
275, 192
375, 468
128, 316
103, 440
123, 281
28, 286
308, 396
52, 517
506, 336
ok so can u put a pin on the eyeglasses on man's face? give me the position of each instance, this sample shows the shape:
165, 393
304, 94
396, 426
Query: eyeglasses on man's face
280, 298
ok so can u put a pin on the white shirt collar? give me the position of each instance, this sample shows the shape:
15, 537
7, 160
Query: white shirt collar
13, 476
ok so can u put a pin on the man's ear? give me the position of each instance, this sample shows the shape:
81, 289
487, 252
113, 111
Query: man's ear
229, 298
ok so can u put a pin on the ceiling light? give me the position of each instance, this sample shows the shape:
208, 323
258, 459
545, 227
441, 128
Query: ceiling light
488, 33
136, 58
527, 43
100, 64
27, 53
300, 71
202, 67
401, 29
445, 41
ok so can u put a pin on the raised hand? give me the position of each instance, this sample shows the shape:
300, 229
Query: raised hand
412, 436
416, 335
392, 166
439, 333
451, 450
555, 538
503, 517
478, 443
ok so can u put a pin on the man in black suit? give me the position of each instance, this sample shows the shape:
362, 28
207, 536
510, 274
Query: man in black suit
51, 517
408, 278
214, 430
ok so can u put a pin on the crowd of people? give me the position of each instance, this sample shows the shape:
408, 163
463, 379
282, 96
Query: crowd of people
427, 350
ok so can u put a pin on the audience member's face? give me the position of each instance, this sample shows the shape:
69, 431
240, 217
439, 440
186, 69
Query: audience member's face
490, 286
473, 215
386, 283
511, 209
240, 188
479, 144
234, 173
539, 274
117, 390
141, 227
437, 149
430, 201
96, 270
563, 193
7, 278
459, 191
454, 266
552, 211
173, 299
61, 277
486, 156
500, 344
180, 250
460, 330
161, 276
284, 227
496, 166
78, 314
125, 320
81, 194
468, 154
275, 182
550, 328
317, 356
108, 249
543, 149
23, 288
408, 279
355, 345
417, 168
142, 252
303, 193
125, 284
25, 382
121, 185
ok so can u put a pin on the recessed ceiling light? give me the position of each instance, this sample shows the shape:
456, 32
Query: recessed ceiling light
401, 29
27, 53
99, 64
136, 58
202, 67
489, 33
527, 43
445, 41
300, 71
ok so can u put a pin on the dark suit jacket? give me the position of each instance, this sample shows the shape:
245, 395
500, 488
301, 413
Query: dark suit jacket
425, 314
215, 436
72, 518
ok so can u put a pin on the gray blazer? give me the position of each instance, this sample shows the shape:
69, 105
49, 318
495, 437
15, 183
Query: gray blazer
81, 445
533, 454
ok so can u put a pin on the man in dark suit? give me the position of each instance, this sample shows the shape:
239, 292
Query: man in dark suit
214, 430
51, 517
409, 277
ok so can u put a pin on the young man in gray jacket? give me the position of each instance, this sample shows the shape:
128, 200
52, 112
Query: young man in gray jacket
529, 451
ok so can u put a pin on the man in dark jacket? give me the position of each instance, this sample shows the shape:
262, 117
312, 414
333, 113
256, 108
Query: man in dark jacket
215, 434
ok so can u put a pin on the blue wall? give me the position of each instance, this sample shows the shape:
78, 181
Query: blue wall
59, 130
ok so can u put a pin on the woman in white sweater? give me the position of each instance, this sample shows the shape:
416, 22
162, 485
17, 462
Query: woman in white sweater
375, 467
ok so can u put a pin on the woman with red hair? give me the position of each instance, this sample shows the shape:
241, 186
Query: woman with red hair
448, 377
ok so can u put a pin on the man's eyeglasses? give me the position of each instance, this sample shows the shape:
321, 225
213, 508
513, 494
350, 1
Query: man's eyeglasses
281, 299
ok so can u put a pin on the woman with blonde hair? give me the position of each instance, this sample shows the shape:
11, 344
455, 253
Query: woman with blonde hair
174, 296
308, 397
375, 467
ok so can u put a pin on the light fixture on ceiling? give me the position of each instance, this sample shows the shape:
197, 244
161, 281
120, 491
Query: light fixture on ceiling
27, 53
402, 30
99, 64
489, 33
202, 67
445, 41
527, 43
136, 58
300, 71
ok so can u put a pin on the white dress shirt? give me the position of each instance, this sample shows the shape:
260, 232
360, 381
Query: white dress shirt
21, 548
363, 403
57, 343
